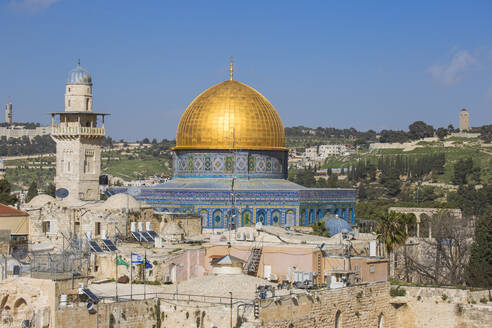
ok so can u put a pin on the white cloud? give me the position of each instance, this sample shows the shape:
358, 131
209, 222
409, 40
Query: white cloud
32, 5
452, 73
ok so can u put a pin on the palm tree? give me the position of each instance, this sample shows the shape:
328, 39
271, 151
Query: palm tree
392, 232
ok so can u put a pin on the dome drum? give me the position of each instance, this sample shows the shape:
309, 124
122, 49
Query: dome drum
229, 163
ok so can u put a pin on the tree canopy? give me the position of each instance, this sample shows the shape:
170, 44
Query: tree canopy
5, 193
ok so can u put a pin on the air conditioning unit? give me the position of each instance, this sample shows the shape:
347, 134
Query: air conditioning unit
250, 236
240, 235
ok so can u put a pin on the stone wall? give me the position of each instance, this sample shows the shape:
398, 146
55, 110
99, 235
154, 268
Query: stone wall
424, 307
134, 314
358, 306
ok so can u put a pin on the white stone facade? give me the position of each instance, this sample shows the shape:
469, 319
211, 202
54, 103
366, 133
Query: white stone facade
78, 139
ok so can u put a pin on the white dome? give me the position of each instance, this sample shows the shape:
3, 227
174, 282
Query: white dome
122, 200
40, 201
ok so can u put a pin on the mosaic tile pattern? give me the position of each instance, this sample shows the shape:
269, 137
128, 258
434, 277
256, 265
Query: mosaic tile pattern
244, 163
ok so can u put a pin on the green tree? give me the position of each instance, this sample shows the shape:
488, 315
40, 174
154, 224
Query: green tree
462, 169
5, 196
391, 181
419, 130
320, 229
392, 232
50, 189
442, 133
479, 269
32, 192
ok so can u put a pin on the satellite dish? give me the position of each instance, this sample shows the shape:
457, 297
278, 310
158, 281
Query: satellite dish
61, 193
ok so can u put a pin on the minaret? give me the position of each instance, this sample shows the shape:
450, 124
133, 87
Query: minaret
78, 139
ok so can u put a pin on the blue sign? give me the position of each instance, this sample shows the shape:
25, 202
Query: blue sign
61, 193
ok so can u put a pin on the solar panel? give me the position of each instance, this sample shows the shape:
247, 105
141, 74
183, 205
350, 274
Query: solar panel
147, 236
109, 245
91, 295
95, 247
153, 234
138, 236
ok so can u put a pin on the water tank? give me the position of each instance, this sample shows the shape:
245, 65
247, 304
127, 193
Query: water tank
140, 226
104, 234
133, 226
372, 248
63, 300
147, 226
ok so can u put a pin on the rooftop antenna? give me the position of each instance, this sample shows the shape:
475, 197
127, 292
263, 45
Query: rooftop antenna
78, 62
231, 68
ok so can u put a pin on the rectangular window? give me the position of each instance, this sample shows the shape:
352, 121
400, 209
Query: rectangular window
89, 162
46, 226
98, 228
371, 268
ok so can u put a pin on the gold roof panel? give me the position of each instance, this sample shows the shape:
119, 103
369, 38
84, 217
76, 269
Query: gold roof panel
230, 115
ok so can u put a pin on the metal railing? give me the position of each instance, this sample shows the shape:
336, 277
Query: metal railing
179, 297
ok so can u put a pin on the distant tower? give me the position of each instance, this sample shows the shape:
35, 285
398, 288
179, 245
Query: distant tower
8, 113
464, 123
78, 139
2, 170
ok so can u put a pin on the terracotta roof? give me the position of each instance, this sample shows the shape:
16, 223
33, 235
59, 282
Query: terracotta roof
10, 211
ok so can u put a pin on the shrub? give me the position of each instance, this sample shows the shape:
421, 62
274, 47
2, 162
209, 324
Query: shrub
394, 292
483, 300
444, 297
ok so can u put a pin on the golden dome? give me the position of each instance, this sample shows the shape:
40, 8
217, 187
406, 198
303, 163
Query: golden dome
230, 115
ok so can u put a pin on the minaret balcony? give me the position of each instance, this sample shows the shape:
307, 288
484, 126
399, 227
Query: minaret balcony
77, 131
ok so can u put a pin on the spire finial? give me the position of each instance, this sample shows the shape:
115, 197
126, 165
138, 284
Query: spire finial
231, 68
78, 62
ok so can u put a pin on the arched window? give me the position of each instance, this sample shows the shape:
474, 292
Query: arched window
232, 217
204, 216
218, 220
261, 216
246, 218
338, 320
290, 218
275, 219
87, 104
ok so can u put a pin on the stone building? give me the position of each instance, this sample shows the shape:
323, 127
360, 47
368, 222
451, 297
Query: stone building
78, 139
52, 222
464, 124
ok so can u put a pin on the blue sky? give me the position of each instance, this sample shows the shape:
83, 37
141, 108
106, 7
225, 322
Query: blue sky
363, 64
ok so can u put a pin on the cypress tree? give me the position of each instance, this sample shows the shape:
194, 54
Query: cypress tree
479, 270
32, 192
